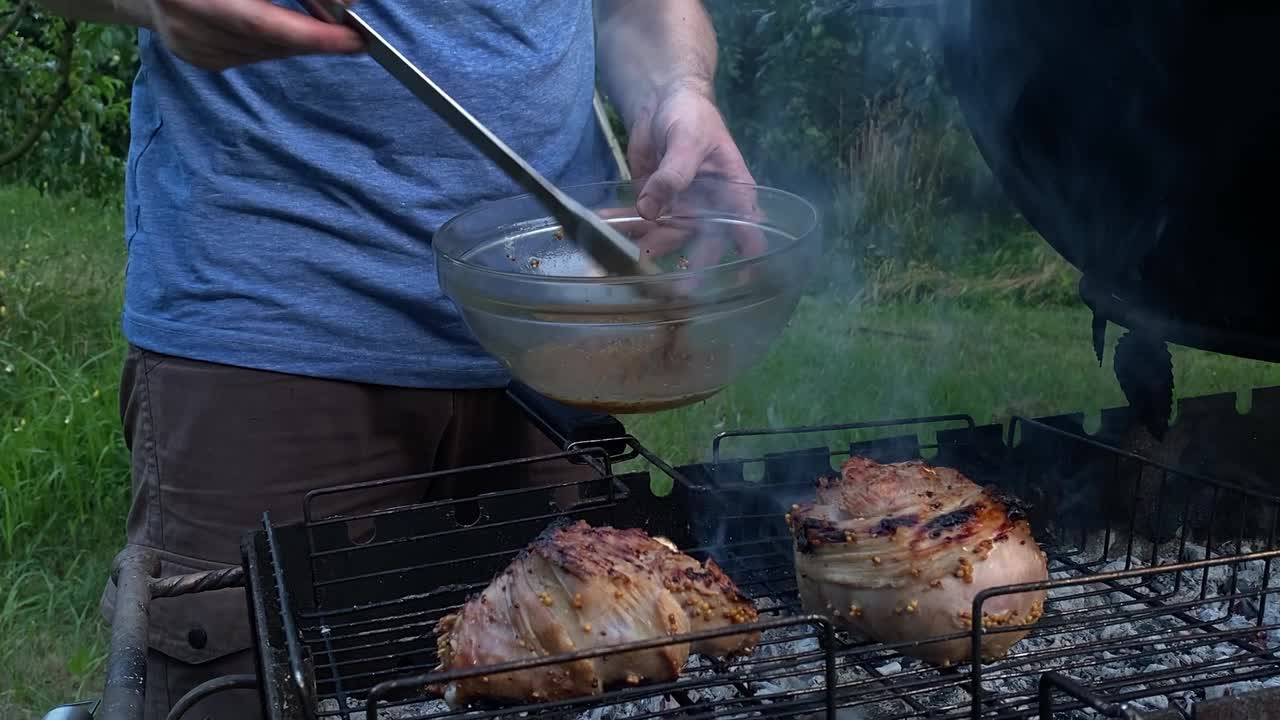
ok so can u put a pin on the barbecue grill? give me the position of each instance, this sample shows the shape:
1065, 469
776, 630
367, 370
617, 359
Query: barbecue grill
1160, 595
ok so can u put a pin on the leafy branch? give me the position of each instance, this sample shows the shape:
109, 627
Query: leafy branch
15, 17
60, 95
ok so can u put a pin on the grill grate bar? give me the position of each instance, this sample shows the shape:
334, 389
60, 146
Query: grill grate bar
418, 567
699, 665
379, 545
1176, 610
402, 622
1173, 645
684, 685
1182, 680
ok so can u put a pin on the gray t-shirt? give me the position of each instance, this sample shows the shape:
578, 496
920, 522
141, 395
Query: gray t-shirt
280, 215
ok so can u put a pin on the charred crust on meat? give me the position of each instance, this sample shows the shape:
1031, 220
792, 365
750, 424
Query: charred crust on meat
812, 533
953, 519
889, 526
1015, 507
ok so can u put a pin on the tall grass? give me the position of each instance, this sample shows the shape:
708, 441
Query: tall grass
63, 469
915, 216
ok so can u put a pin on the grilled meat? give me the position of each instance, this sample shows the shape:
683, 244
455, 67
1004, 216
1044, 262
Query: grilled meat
897, 552
576, 588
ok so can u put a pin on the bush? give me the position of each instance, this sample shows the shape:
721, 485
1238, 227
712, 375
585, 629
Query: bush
852, 110
82, 149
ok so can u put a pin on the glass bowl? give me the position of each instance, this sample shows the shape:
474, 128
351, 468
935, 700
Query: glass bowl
734, 260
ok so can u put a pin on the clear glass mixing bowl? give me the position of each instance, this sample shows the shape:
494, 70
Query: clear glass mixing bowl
734, 261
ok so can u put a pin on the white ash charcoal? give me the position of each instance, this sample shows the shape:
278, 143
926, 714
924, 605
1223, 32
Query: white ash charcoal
780, 645
715, 693
356, 708
640, 707
1118, 565
1236, 688
769, 687
1219, 577
1156, 702
1193, 552
1119, 630
890, 668
1245, 686
1123, 600
1210, 612
767, 603
784, 686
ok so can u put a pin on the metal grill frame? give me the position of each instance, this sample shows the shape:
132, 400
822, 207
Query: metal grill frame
292, 676
1058, 437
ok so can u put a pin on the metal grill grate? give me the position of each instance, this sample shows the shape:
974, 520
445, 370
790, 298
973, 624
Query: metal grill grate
1128, 617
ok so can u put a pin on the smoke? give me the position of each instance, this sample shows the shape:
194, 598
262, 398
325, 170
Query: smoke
844, 103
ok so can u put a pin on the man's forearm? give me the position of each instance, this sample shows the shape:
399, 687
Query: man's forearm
649, 47
113, 12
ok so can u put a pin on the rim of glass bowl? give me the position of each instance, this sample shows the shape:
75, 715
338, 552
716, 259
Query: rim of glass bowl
812, 225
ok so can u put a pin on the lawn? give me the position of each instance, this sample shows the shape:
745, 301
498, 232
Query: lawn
64, 476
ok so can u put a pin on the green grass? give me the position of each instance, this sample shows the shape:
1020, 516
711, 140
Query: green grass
64, 474
63, 470
840, 363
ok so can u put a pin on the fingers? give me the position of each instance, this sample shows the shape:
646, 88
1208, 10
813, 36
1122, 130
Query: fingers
742, 200
662, 239
235, 32
214, 48
274, 25
640, 152
683, 155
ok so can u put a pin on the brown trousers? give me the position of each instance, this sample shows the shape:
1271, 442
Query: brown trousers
212, 447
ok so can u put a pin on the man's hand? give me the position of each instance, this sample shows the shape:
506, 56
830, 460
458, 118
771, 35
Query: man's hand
681, 137
226, 33
658, 59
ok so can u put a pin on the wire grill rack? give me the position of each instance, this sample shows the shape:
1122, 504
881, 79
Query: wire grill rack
1160, 583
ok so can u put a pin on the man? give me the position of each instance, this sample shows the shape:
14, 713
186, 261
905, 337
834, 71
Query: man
285, 328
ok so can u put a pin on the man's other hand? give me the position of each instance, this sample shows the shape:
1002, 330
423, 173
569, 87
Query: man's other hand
226, 33
679, 138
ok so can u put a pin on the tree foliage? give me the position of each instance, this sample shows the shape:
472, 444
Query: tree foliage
82, 146
847, 107
799, 80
